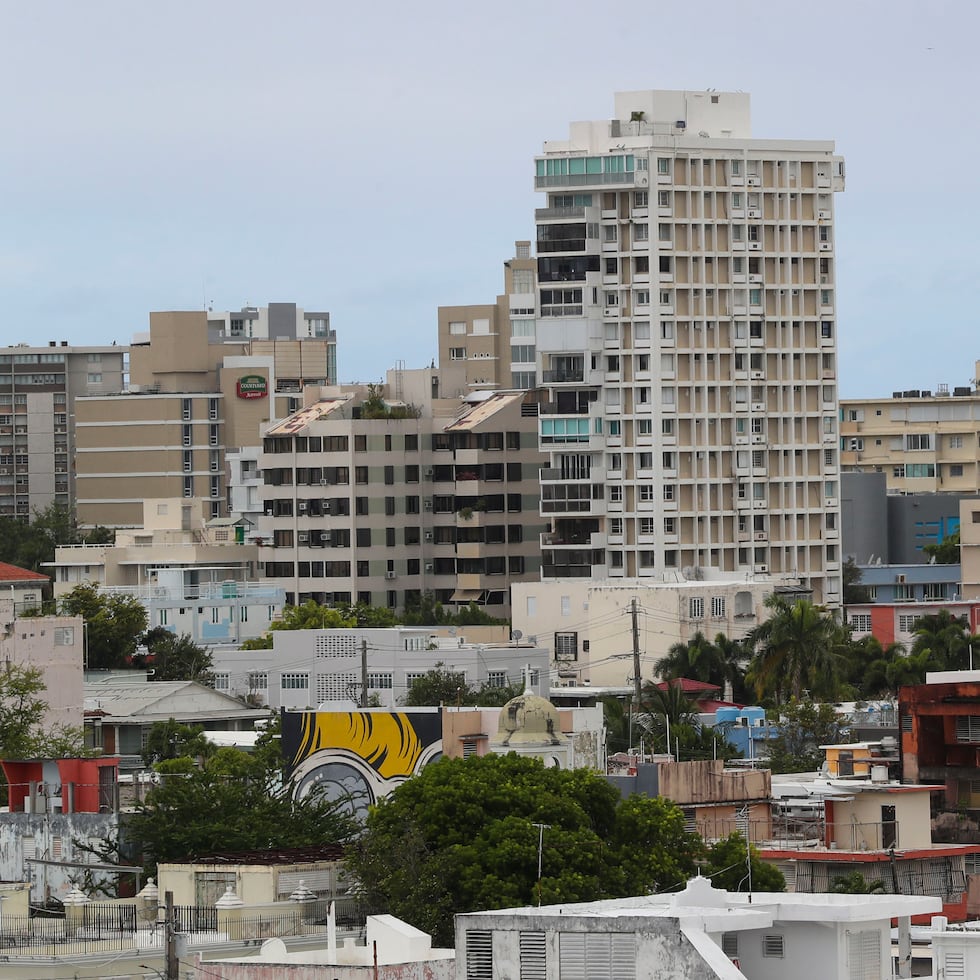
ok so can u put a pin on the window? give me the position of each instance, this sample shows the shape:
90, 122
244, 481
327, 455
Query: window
955, 442
640, 199
918, 441
641, 231
663, 199
379, 682
717, 607
222, 681
663, 165
496, 678
861, 622
695, 608
956, 469
457, 353
566, 646
294, 682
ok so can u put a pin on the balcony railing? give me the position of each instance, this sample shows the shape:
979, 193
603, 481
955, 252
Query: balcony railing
550, 214
564, 376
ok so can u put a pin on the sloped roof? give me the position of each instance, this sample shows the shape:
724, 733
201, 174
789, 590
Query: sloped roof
153, 700
689, 686
11, 573
484, 410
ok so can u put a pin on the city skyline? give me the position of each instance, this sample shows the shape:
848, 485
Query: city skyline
229, 156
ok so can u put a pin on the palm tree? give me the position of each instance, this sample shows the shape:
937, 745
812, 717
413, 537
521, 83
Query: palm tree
800, 646
698, 660
733, 655
665, 708
946, 637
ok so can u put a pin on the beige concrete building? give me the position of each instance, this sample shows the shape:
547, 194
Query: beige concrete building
489, 347
437, 498
193, 574
38, 388
588, 624
970, 552
201, 384
686, 335
924, 441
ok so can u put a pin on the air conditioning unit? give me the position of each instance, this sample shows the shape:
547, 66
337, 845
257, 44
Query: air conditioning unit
759, 375
762, 568
324, 483
428, 471
753, 213
428, 566
428, 535
389, 575
301, 506
755, 246
428, 505
303, 537
900, 579
760, 535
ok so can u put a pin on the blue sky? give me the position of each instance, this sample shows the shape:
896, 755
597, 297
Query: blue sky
377, 162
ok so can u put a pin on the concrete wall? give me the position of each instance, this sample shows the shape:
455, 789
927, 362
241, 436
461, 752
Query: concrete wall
864, 516
52, 836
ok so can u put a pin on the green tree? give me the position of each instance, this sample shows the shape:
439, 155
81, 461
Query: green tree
114, 624
236, 801
697, 660
854, 591
367, 616
667, 711
440, 685
31, 544
726, 867
179, 658
869, 668
172, 739
803, 727
947, 551
854, 883
945, 638
462, 835
800, 646
22, 709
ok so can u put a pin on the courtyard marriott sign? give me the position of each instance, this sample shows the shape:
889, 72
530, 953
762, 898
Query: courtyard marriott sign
253, 386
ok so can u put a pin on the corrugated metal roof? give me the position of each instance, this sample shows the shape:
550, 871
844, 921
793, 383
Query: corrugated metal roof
485, 410
305, 416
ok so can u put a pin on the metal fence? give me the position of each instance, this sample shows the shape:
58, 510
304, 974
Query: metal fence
117, 926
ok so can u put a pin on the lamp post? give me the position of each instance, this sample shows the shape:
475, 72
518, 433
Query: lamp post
541, 829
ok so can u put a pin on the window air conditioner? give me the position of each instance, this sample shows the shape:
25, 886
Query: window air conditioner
389, 575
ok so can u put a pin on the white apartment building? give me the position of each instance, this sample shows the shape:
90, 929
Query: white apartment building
686, 334
310, 668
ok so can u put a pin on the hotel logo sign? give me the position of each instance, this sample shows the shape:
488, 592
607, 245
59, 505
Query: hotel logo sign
252, 386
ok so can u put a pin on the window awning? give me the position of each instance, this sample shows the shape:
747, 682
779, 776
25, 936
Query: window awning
466, 595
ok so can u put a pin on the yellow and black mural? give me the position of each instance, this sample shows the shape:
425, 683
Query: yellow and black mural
358, 755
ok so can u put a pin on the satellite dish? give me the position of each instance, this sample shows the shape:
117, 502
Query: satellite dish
273, 949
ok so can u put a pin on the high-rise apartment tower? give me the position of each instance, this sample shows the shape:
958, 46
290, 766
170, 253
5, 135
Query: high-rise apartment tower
686, 334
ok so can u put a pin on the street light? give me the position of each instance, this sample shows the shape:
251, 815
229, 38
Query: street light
541, 829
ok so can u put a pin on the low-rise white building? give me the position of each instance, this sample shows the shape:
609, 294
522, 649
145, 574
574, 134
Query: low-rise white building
699, 933
193, 575
308, 668
588, 623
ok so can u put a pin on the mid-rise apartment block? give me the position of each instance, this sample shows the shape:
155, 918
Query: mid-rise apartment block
686, 338
201, 384
38, 388
489, 347
421, 496
924, 441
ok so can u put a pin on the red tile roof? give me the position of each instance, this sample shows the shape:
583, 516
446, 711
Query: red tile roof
11, 573
688, 686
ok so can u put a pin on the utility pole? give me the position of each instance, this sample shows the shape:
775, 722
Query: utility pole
636, 653
364, 694
542, 827
171, 966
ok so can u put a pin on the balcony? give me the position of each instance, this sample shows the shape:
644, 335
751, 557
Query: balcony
565, 376
558, 214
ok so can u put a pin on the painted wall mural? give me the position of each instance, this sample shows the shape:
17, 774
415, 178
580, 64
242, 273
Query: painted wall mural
360, 756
